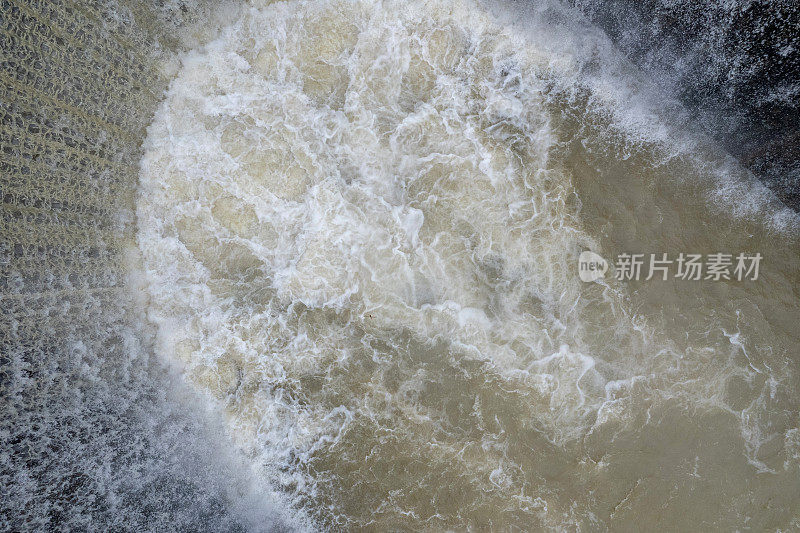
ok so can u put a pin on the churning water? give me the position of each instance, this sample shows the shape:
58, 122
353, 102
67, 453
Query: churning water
360, 223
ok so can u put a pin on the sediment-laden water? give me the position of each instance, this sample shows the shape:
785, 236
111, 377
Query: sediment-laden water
360, 225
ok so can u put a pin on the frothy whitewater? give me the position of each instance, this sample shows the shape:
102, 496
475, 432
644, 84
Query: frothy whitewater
360, 224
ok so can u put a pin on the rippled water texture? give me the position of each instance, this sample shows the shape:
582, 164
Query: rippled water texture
360, 224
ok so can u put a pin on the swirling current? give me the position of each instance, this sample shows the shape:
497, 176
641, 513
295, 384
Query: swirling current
359, 225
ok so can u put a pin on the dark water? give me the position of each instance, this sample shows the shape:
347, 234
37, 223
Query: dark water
734, 65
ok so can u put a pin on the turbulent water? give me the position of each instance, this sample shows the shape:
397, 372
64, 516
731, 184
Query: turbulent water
360, 225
